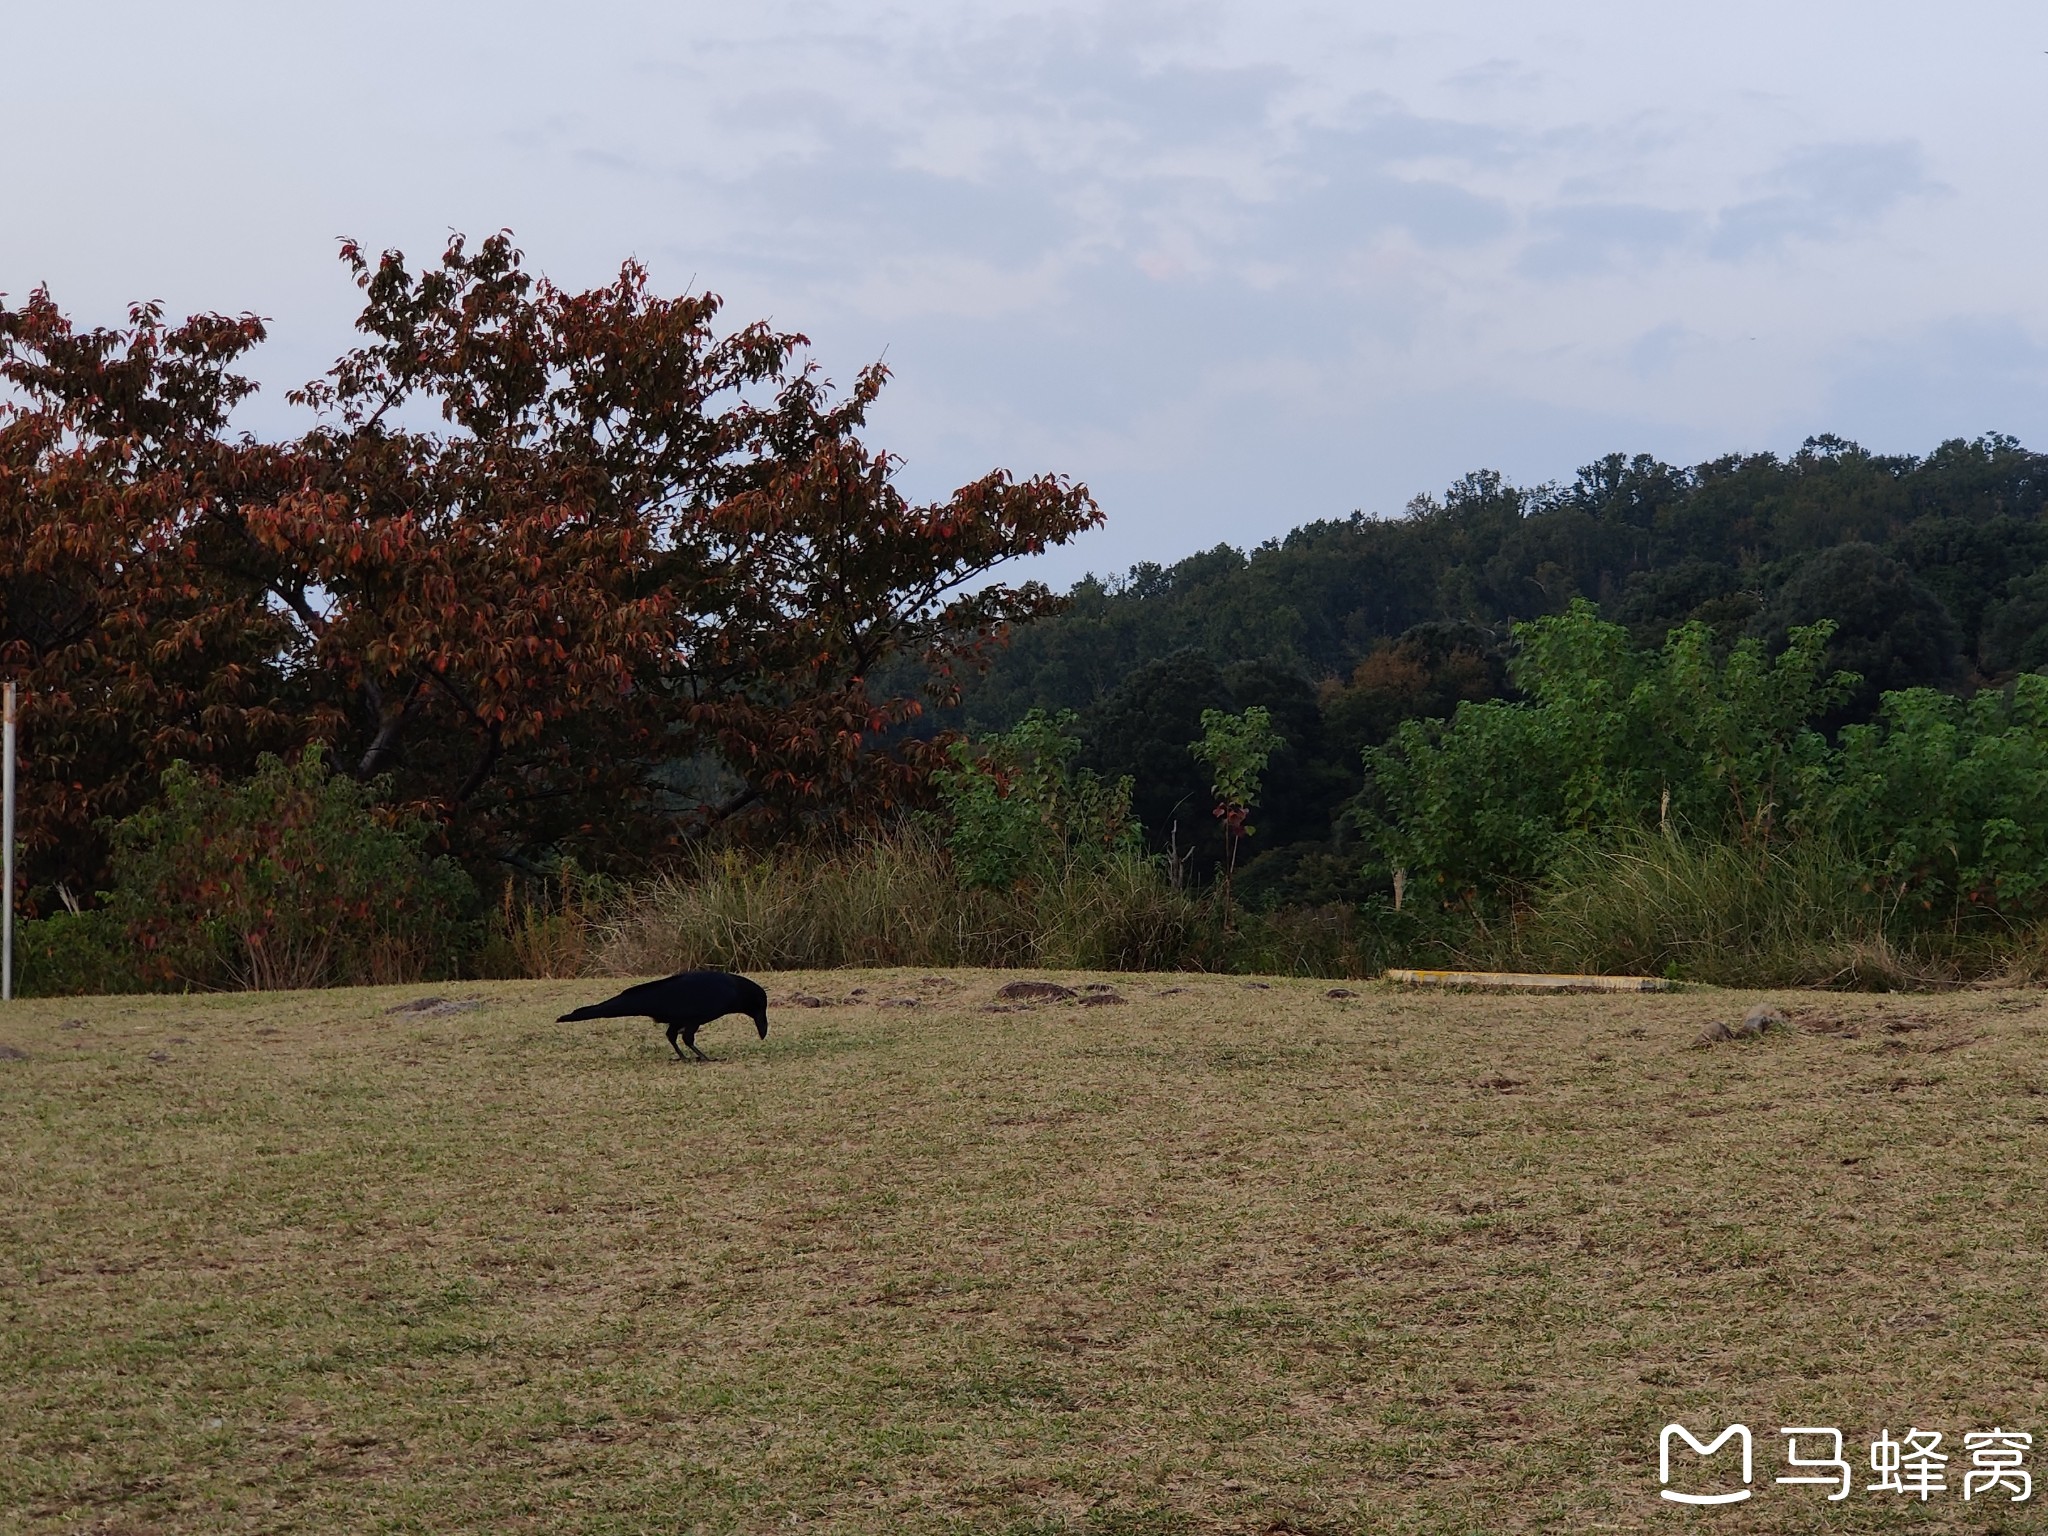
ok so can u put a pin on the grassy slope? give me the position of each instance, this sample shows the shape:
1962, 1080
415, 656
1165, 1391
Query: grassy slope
1223, 1258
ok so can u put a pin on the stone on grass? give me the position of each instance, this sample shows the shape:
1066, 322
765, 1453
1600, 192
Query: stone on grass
1762, 1018
1035, 992
438, 1007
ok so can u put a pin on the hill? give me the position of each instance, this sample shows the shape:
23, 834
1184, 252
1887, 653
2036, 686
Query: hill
1934, 568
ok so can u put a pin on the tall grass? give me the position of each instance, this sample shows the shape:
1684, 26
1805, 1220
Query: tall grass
895, 901
1798, 914
1804, 913
547, 929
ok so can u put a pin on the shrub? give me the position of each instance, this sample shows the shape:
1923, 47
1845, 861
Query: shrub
1611, 737
73, 953
291, 878
1948, 799
1019, 808
1235, 749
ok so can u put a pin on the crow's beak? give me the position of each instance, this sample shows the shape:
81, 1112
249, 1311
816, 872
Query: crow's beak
761, 1024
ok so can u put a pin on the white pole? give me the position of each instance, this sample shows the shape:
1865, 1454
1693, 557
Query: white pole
7, 844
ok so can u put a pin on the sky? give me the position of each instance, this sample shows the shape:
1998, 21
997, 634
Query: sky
1235, 266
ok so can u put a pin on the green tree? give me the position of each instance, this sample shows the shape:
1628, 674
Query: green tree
1020, 807
1236, 749
1889, 628
1948, 799
1608, 736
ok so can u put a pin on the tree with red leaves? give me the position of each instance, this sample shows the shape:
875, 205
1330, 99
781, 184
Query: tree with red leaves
632, 582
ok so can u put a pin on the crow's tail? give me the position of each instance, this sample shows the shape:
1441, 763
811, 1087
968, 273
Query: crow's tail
604, 1010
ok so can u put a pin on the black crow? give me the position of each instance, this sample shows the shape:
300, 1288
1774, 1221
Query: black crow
685, 1002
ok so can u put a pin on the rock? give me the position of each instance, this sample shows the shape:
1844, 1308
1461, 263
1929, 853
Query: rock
899, 1002
1036, 991
1713, 1034
12, 1053
1830, 1024
1102, 999
438, 1007
159, 1055
1761, 1018
803, 1000
1003, 1008
1256, 986
1171, 991
1501, 1084
72, 1024
1340, 992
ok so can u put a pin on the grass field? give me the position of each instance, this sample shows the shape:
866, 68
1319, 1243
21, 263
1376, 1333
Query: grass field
1221, 1257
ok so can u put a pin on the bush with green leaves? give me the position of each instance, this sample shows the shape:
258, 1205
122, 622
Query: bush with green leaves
70, 953
1018, 807
1235, 748
1947, 799
294, 877
1608, 736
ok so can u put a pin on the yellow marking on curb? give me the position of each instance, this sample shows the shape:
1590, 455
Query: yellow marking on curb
1532, 981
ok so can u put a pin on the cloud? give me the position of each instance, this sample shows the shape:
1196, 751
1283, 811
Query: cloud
1575, 239
1956, 378
1493, 77
1238, 265
1354, 184
1658, 349
1825, 192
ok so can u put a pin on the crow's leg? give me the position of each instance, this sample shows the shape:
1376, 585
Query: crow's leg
673, 1031
692, 1044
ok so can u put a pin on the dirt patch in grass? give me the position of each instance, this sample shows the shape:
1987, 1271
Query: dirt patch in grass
1218, 1259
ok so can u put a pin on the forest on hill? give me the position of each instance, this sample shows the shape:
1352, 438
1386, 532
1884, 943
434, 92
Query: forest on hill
1933, 570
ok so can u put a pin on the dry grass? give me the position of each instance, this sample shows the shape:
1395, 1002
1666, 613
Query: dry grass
1222, 1258
897, 901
